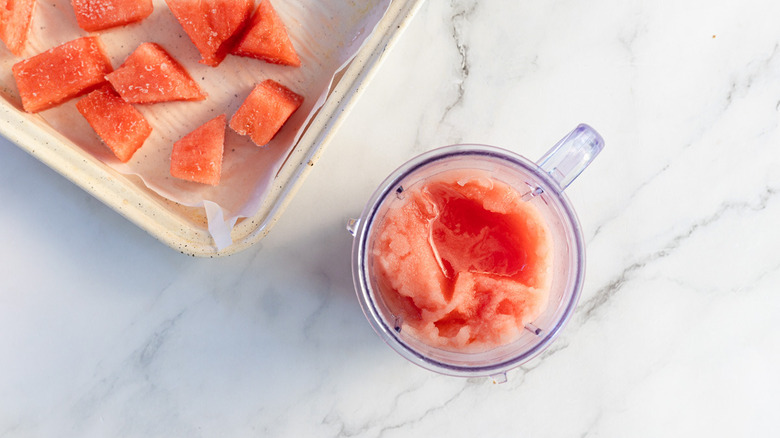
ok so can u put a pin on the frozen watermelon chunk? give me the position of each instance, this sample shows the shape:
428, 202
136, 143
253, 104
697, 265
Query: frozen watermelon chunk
264, 111
62, 73
94, 15
266, 38
198, 155
212, 25
151, 75
15, 19
121, 127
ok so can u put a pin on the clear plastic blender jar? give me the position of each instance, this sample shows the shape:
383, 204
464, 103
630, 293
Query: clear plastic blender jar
542, 184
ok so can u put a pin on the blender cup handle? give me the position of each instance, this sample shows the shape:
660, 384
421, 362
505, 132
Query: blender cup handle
571, 155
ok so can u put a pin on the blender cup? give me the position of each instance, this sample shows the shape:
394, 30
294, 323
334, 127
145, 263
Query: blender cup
542, 184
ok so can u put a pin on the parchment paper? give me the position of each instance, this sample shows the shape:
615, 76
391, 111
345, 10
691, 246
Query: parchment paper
326, 34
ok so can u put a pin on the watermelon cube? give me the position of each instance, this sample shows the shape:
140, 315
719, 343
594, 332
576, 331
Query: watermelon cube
264, 111
94, 15
198, 155
151, 75
266, 38
60, 74
212, 25
121, 127
15, 19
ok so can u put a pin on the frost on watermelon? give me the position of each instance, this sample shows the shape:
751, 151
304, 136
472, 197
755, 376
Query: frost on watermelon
62, 73
264, 111
198, 155
15, 19
151, 75
212, 25
94, 15
121, 127
266, 38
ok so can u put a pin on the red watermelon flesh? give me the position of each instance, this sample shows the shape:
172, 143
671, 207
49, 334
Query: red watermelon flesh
212, 25
60, 74
15, 19
121, 127
266, 38
94, 15
264, 111
151, 75
198, 155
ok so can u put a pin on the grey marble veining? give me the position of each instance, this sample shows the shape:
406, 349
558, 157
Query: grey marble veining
106, 332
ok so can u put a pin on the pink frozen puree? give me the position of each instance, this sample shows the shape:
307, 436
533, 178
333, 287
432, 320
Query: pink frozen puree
463, 261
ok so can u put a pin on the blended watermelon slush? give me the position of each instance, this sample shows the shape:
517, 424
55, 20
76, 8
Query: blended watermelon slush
463, 261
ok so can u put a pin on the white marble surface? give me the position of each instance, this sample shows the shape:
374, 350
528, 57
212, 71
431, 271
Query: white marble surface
106, 332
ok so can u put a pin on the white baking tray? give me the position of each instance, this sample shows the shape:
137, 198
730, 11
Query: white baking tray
185, 228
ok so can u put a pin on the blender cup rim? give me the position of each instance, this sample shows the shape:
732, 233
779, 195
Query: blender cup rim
359, 268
